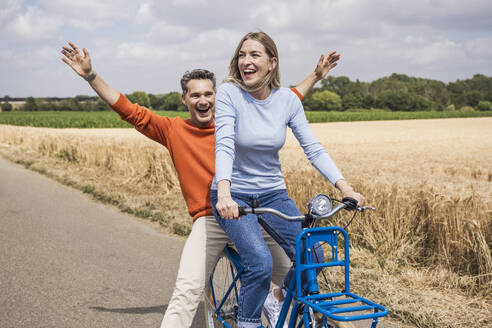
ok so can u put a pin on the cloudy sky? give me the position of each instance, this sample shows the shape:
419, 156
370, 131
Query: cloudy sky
148, 45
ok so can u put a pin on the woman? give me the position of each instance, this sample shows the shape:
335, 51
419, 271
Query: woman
252, 113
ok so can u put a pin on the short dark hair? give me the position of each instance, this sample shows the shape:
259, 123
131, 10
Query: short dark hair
196, 74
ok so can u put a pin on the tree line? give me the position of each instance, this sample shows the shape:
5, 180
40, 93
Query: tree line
397, 92
170, 101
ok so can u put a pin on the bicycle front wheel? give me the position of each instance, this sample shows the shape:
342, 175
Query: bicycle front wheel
221, 301
337, 324
316, 320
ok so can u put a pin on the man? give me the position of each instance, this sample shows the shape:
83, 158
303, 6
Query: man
191, 146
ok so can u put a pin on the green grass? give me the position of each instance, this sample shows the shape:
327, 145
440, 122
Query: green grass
376, 115
52, 119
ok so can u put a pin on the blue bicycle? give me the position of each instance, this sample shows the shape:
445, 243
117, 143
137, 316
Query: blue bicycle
307, 304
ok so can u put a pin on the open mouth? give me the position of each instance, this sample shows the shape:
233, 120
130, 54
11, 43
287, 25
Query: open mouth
248, 73
203, 112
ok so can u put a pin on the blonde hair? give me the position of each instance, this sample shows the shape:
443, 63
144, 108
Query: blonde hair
272, 79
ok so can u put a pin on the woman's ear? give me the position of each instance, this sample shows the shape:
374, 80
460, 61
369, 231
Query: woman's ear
273, 64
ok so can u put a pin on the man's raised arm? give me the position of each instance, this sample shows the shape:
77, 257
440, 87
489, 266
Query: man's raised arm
81, 64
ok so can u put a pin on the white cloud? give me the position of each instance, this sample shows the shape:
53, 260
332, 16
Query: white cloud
480, 48
33, 25
149, 44
145, 13
9, 10
91, 15
164, 32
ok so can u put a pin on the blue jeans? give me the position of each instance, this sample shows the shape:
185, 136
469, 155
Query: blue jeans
255, 255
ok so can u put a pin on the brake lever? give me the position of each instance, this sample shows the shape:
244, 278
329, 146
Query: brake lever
350, 203
362, 209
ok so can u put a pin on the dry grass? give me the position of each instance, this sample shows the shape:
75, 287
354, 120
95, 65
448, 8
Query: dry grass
425, 253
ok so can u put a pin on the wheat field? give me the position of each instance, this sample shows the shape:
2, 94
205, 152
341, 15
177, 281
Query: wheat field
425, 253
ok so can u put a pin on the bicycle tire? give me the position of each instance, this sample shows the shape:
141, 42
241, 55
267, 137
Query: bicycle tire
325, 322
222, 278
339, 324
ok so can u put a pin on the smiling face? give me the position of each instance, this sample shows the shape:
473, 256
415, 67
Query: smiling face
200, 101
254, 63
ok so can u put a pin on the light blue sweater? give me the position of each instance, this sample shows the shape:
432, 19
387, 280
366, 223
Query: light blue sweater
249, 134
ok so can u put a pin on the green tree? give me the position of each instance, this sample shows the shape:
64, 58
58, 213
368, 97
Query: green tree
368, 101
81, 98
396, 101
100, 105
156, 101
172, 101
353, 100
420, 103
483, 105
46, 105
473, 98
450, 108
323, 100
140, 97
70, 104
340, 85
6, 106
30, 105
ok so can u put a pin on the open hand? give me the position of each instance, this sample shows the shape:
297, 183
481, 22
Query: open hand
325, 64
80, 63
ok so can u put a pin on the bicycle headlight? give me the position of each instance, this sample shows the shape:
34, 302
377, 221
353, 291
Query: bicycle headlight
320, 205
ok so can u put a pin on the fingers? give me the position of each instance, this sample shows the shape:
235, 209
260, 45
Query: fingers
227, 208
74, 47
73, 51
86, 53
360, 200
333, 57
349, 192
327, 62
69, 53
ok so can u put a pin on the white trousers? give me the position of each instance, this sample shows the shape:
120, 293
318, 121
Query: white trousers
200, 254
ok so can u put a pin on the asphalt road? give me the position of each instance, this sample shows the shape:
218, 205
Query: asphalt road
67, 261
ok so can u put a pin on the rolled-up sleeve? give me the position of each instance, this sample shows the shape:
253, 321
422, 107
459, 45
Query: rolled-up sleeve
225, 120
314, 151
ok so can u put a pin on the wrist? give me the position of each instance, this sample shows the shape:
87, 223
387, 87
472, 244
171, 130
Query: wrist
317, 76
343, 186
90, 77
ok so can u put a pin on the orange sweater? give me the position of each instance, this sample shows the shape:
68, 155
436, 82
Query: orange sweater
191, 149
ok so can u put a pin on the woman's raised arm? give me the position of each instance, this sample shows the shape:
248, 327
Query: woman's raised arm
325, 64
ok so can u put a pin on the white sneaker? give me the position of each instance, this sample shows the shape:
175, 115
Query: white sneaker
271, 309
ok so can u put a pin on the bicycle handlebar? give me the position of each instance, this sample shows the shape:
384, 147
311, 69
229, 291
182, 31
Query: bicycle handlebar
345, 204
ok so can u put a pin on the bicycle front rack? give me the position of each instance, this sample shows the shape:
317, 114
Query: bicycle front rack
339, 306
